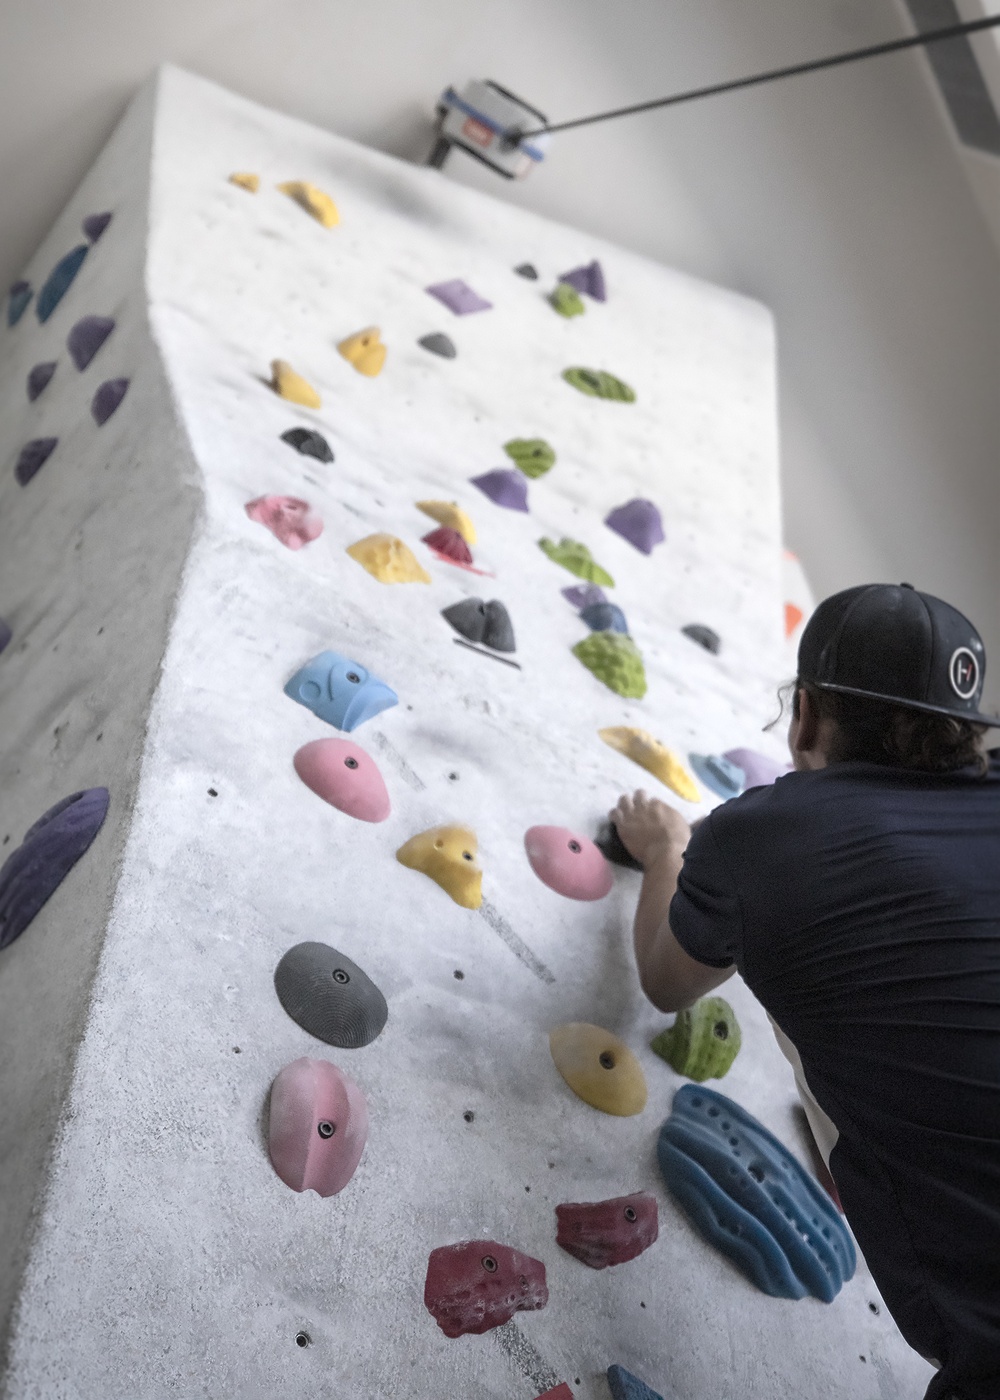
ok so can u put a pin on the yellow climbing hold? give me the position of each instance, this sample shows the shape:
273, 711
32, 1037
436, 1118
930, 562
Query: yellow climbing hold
245, 180
365, 351
599, 1067
289, 385
388, 559
451, 514
448, 855
313, 200
655, 757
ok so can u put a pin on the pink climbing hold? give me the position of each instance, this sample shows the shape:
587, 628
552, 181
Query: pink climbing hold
345, 776
459, 297
318, 1126
449, 544
760, 770
290, 520
569, 864
599, 1233
639, 522
479, 1284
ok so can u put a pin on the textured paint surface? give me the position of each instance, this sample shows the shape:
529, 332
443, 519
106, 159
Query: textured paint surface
479, 1284
59, 281
599, 1068
639, 522
107, 399
39, 378
340, 691
87, 337
448, 855
345, 776
505, 487
602, 1233
48, 852
289, 519
655, 757
32, 458
287, 383
388, 559
703, 1042
616, 661
313, 200
450, 514
329, 996
317, 1128
568, 863
576, 557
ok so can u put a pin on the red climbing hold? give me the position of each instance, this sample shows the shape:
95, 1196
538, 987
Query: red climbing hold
559, 1392
599, 1233
449, 543
479, 1284
793, 616
290, 520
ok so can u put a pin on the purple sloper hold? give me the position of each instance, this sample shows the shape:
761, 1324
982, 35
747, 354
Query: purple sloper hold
19, 296
33, 457
45, 857
38, 378
638, 522
760, 770
95, 224
589, 279
5, 633
87, 337
584, 595
459, 297
109, 395
504, 486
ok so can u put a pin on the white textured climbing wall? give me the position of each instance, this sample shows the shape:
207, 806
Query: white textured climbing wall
170, 1260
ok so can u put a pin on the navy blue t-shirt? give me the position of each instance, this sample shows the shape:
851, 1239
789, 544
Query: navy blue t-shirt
861, 904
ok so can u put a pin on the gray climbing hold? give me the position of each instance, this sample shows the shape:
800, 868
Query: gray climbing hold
309, 442
87, 337
38, 378
499, 630
329, 996
704, 636
625, 1386
33, 457
45, 857
439, 344
604, 617
95, 224
488, 623
527, 270
58, 282
613, 848
17, 303
109, 395
5, 633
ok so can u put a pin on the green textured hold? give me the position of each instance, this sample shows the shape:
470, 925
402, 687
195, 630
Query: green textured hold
573, 555
614, 659
533, 456
567, 300
599, 384
703, 1042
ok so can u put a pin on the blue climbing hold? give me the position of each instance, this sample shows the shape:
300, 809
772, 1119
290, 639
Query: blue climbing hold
58, 281
5, 633
17, 304
604, 617
45, 857
340, 691
749, 1197
33, 457
719, 773
38, 378
625, 1386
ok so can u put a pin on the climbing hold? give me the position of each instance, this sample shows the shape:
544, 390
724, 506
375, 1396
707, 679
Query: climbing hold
448, 855
505, 487
588, 279
758, 769
569, 864
704, 636
625, 1386
566, 300
45, 857
107, 399
599, 1068
576, 557
246, 180
38, 378
448, 544
345, 776
439, 344
655, 757
479, 1284
388, 559
527, 270
477, 621
58, 281
533, 456
718, 773
289, 519
365, 351
793, 616
704, 1040
604, 617
459, 297
318, 1126
599, 1233
95, 224
87, 337
313, 200
498, 631
17, 301
33, 457
639, 522
329, 996
599, 384
340, 691
583, 595
452, 515
750, 1197
615, 660
5, 633
558, 1392
289, 385
613, 848
309, 443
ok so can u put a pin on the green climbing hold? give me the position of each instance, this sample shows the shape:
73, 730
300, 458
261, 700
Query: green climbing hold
614, 659
533, 456
575, 557
599, 384
567, 300
703, 1042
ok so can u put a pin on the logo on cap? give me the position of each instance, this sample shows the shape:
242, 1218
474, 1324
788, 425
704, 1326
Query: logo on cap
963, 672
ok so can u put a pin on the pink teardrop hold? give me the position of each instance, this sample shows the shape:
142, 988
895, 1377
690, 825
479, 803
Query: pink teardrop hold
345, 776
290, 520
444, 540
569, 864
318, 1127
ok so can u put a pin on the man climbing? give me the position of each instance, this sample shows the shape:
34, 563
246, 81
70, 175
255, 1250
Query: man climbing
859, 898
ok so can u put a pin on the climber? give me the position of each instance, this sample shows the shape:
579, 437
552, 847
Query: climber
859, 898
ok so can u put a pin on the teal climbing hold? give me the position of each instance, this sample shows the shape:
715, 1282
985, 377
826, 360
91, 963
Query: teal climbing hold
625, 1386
59, 280
615, 660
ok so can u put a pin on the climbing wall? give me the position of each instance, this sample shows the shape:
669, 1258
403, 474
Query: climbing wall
173, 1257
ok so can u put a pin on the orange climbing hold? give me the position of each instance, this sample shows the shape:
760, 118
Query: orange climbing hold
793, 616
292, 386
245, 180
313, 200
365, 351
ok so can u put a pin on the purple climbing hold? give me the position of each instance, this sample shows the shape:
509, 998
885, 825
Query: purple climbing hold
639, 522
505, 486
87, 337
19, 296
38, 378
760, 770
109, 395
58, 281
589, 279
625, 1386
45, 857
33, 457
95, 224
584, 595
5, 633
459, 297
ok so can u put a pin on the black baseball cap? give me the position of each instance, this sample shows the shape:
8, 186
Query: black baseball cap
890, 642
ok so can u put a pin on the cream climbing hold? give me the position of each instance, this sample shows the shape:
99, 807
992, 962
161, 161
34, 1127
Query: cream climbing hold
365, 351
313, 200
448, 855
292, 386
599, 1068
452, 515
655, 757
388, 559
246, 180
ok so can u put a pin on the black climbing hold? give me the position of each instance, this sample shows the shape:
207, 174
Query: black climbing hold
33, 457
527, 270
38, 378
109, 395
329, 996
467, 617
95, 224
58, 281
5, 633
439, 344
87, 337
612, 847
18, 297
704, 636
309, 442
498, 632
45, 857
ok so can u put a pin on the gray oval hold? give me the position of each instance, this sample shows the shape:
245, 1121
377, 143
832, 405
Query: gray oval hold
329, 996
439, 344
467, 617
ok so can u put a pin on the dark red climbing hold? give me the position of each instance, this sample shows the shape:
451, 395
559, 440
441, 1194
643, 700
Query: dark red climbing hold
479, 1284
95, 224
87, 337
448, 542
559, 1392
18, 297
33, 457
58, 282
309, 442
45, 857
5, 633
600, 1233
38, 378
109, 395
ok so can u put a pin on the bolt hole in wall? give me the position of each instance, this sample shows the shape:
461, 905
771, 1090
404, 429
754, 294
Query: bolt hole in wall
303, 1339
468, 1115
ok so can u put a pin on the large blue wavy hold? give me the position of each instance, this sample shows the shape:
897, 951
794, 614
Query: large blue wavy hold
340, 691
750, 1197
45, 857
58, 282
